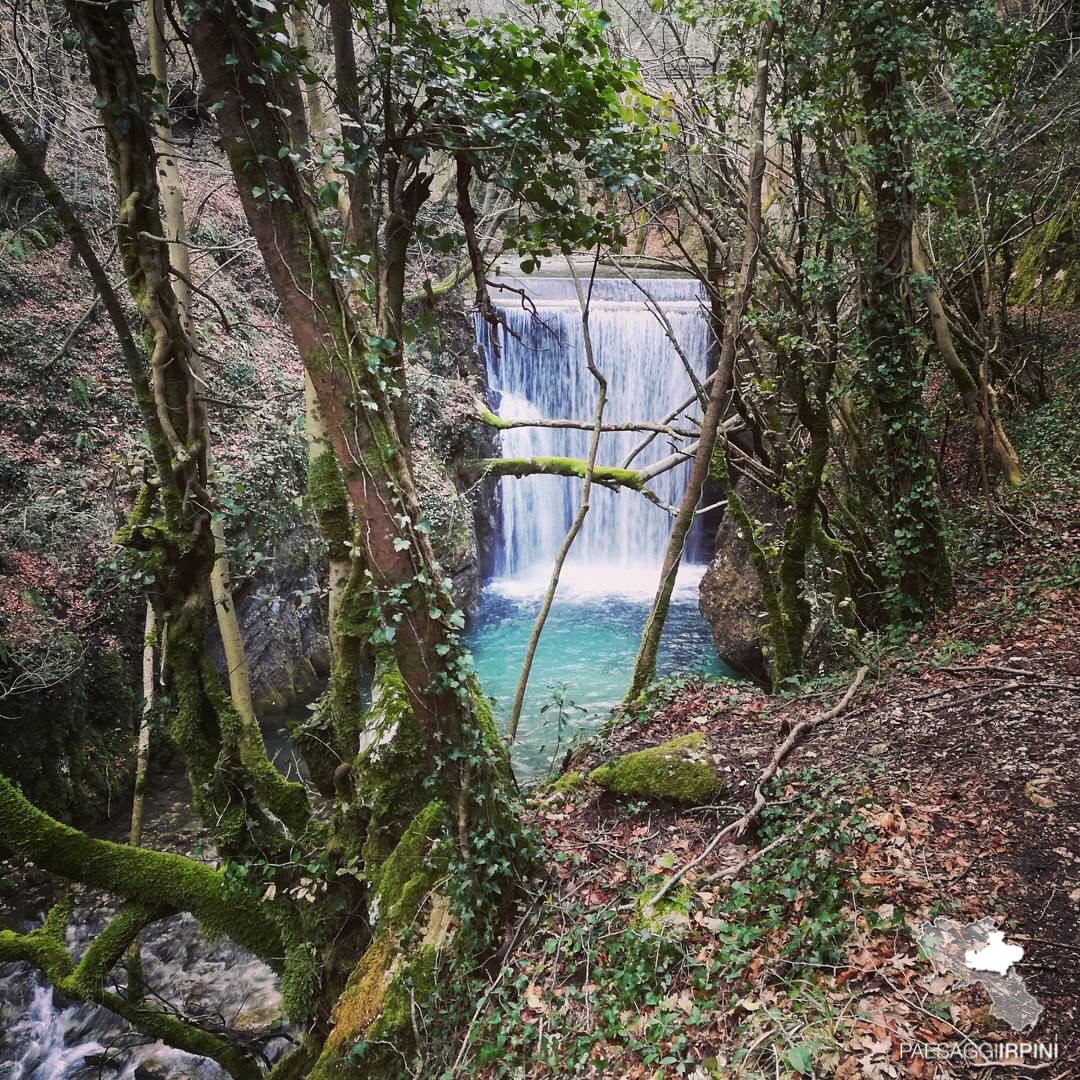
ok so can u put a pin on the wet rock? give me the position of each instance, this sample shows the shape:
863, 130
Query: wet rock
282, 616
730, 596
150, 1071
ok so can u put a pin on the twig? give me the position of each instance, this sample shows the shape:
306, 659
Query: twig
205, 295
740, 825
986, 669
1000, 688
735, 871
1045, 941
1000, 671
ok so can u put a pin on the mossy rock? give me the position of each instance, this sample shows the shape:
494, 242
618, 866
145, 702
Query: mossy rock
1048, 266
567, 784
682, 770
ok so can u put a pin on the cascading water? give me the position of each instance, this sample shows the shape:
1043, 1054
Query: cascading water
43, 1037
539, 371
583, 663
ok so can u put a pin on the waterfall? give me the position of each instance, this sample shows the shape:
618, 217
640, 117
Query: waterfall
539, 371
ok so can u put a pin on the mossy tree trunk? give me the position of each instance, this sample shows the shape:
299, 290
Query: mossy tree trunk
175, 230
427, 738
806, 350
354, 370
918, 562
980, 399
170, 524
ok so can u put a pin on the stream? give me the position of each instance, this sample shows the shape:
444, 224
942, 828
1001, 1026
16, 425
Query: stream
44, 1037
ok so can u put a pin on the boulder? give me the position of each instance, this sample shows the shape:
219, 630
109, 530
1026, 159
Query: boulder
730, 595
683, 770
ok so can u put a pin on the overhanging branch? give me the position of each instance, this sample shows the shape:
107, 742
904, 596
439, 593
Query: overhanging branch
155, 879
608, 475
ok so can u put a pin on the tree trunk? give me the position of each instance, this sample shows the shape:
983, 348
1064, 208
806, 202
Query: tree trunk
175, 226
347, 373
980, 401
917, 559
171, 521
429, 733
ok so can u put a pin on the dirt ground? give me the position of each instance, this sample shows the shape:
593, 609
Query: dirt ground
965, 750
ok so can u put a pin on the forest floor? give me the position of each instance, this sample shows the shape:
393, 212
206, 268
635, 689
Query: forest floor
950, 787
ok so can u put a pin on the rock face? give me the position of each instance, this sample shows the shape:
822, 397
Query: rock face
453, 533
282, 609
282, 616
730, 596
446, 435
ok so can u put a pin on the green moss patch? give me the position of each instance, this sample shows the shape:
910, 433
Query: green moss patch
373, 1028
568, 783
1048, 267
670, 918
682, 770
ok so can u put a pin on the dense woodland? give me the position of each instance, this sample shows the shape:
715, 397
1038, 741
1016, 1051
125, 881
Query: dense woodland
242, 245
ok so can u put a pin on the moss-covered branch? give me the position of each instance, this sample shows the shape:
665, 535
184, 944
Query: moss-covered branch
608, 476
111, 944
561, 466
152, 878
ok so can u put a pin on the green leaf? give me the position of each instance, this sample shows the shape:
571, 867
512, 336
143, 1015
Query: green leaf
801, 1057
